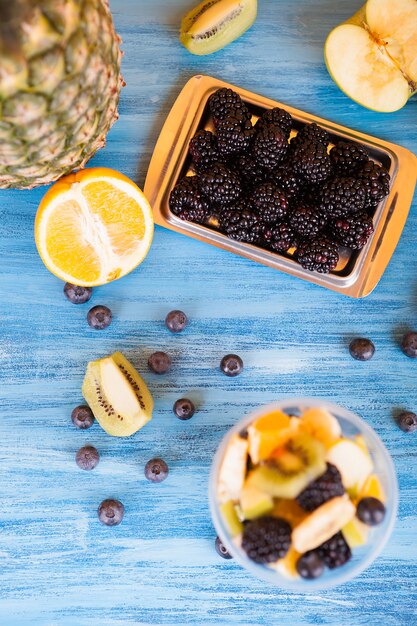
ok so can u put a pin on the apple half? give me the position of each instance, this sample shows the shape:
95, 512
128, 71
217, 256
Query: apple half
373, 56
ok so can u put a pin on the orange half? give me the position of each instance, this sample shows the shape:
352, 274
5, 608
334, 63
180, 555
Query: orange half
93, 227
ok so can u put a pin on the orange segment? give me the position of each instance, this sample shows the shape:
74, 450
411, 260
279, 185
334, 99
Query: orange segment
108, 204
267, 433
93, 227
65, 227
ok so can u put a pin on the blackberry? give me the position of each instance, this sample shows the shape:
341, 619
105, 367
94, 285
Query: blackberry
311, 162
241, 224
187, 203
279, 237
347, 157
311, 132
307, 221
270, 202
324, 488
276, 117
220, 186
234, 137
285, 178
342, 196
319, 254
376, 181
250, 173
352, 231
335, 551
227, 103
270, 147
266, 539
204, 151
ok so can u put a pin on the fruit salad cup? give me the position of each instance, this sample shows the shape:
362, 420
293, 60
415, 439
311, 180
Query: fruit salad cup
303, 494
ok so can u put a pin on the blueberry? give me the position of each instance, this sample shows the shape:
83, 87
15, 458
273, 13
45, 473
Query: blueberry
82, 417
231, 365
99, 317
244, 433
176, 321
370, 511
77, 295
156, 470
310, 565
362, 349
409, 345
407, 421
87, 458
110, 512
221, 549
184, 409
160, 362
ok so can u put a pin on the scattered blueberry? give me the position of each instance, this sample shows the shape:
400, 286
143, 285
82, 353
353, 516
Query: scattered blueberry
160, 362
184, 409
370, 511
99, 317
409, 345
82, 417
77, 295
231, 365
156, 470
362, 349
310, 565
87, 458
110, 512
221, 549
176, 321
407, 421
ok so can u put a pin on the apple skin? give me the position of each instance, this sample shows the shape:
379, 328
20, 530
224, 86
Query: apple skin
358, 19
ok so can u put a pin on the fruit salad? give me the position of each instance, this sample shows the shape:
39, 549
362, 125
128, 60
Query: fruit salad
296, 495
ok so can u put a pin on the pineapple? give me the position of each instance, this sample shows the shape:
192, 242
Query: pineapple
60, 84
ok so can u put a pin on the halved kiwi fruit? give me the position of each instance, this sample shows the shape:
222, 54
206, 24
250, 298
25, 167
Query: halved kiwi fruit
291, 469
215, 23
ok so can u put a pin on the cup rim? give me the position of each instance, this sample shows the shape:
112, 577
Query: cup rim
268, 574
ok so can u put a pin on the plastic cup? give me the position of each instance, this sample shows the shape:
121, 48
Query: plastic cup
362, 556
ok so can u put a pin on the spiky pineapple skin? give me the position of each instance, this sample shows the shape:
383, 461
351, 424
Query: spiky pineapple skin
60, 85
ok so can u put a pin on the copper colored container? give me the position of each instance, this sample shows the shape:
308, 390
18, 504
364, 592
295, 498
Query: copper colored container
357, 272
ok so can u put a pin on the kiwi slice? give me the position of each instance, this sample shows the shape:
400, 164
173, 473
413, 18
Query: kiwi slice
288, 472
215, 23
117, 395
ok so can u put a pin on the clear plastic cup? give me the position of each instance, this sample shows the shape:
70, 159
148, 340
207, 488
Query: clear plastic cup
362, 556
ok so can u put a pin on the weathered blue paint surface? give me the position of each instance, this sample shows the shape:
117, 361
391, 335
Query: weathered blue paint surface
58, 565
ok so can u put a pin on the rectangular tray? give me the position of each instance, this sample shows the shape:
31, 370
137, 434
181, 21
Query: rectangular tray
357, 273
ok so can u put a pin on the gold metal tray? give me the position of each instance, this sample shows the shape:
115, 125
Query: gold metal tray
357, 273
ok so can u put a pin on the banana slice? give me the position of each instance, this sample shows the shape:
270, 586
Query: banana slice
322, 524
233, 469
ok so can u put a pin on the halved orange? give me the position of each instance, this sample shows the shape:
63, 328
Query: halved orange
93, 227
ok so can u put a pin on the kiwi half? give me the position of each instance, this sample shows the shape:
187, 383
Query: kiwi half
215, 23
117, 395
285, 476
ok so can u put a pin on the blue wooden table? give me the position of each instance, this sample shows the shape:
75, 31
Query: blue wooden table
58, 565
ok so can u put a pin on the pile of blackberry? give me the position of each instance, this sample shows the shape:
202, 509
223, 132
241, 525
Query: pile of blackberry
290, 196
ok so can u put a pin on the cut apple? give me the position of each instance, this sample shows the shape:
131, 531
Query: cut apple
254, 502
352, 462
233, 469
373, 56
